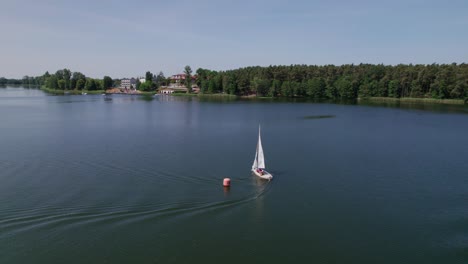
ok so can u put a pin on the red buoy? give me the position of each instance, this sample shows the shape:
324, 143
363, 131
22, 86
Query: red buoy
226, 182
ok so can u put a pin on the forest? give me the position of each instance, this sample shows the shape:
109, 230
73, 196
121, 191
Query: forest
440, 81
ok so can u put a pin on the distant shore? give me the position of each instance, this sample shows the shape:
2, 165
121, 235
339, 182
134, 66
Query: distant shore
108, 91
54, 91
224, 95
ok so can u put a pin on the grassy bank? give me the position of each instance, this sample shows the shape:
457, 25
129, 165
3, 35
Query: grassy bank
411, 100
183, 94
147, 93
217, 95
204, 95
54, 91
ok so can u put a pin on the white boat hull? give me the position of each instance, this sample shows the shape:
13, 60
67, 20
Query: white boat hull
265, 175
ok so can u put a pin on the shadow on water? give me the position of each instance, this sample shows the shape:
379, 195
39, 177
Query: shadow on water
318, 116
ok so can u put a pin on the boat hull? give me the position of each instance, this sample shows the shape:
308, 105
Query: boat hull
266, 175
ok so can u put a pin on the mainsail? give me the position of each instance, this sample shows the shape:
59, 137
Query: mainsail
259, 161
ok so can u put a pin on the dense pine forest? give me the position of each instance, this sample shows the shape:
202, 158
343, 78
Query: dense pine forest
440, 81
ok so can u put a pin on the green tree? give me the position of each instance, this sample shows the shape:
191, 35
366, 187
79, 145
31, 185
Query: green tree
107, 82
365, 89
149, 77
80, 84
25, 80
315, 88
260, 86
99, 85
274, 88
286, 90
66, 77
74, 79
394, 89
211, 86
416, 89
52, 82
160, 79
204, 86
188, 78
144, 86
345, 88
331, 91
90, 84
61, 84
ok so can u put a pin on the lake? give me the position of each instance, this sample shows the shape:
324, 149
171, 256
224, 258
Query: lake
134, 179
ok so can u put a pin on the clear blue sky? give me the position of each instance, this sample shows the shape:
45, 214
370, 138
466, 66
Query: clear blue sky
127, 38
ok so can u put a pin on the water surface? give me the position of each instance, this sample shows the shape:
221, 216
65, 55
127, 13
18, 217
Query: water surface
126, 179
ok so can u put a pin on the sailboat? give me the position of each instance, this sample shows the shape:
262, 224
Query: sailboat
258, 166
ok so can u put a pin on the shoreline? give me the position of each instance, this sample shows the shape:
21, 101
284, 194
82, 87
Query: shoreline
403, 100
78, 92
411, 100
75, 92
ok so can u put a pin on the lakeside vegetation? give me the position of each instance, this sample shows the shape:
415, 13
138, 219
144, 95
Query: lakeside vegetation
53, 91
434, 83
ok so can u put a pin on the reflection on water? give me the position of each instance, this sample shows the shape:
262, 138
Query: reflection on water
443, 108
227, 190
146, 97
261, 185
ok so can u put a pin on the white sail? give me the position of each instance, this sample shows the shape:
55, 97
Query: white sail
259, 161
260, 158
255, 163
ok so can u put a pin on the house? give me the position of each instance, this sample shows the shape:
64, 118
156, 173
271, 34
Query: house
172, 89
178, 80
128, 83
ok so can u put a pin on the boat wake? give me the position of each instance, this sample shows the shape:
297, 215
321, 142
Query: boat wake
54, 217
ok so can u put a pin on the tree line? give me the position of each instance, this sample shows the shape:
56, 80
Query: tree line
441, 81
26, 81
67, 80
63, 80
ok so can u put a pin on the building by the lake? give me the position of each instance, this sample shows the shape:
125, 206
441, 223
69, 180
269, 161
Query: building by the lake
179, 79
128, 83
177, 84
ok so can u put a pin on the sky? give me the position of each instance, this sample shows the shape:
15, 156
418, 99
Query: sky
127, 38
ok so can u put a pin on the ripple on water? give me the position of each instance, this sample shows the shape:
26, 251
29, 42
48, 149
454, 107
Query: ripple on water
64, 214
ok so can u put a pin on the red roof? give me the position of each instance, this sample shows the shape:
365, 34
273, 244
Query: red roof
181, 76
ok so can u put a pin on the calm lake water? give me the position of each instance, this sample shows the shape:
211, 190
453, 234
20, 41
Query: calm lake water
132, 179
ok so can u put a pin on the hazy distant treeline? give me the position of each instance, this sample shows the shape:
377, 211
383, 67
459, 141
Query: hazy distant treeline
341, 82
28, 81
63, 80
